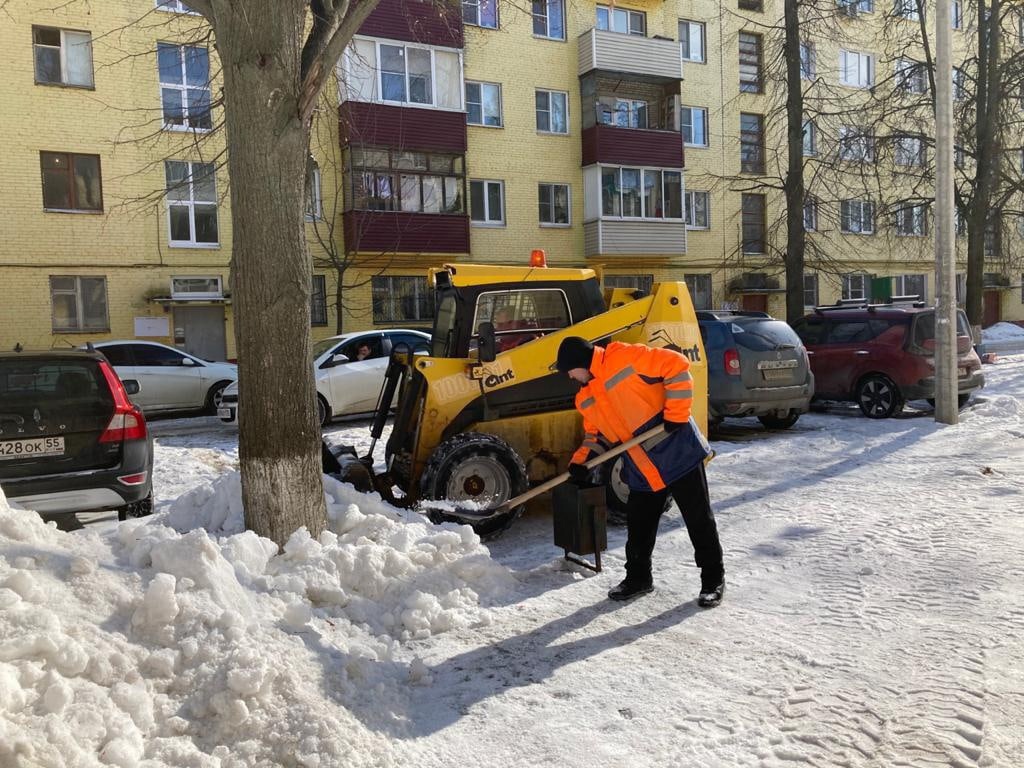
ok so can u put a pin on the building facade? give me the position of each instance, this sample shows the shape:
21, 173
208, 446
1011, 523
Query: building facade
646, 139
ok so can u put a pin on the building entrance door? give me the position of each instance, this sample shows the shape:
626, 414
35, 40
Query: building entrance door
990, 309
200, 332
754, 302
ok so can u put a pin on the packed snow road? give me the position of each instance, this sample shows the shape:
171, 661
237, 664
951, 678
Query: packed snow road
874, 617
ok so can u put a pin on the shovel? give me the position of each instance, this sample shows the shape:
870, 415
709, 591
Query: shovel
473, 514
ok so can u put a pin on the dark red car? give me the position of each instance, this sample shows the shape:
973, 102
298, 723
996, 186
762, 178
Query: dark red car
880, 356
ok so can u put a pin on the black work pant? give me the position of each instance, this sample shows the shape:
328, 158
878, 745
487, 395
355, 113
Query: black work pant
643, 513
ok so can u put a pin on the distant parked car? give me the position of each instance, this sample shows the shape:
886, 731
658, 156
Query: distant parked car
880, 356
348, 380
70, 439
757, 366
169, 379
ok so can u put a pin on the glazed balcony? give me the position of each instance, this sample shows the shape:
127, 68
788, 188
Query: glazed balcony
416, 21
632, 146
392, 232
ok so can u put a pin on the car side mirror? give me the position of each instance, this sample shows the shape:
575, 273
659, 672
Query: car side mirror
131, 386
188, 362
338, 359
487, 347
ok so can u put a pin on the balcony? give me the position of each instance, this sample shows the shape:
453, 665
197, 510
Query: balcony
389, 232
416, 21
641, 58
385, 125
632, 146
613, 237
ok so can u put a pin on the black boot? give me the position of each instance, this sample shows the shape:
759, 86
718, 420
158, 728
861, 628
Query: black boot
627, 589
711, 592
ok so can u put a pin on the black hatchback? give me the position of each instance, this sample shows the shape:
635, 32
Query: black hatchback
757, 366
70, 439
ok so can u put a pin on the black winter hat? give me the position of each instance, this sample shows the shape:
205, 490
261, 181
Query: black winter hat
574, 352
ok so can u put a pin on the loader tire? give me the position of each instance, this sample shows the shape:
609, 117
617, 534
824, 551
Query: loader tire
478, 468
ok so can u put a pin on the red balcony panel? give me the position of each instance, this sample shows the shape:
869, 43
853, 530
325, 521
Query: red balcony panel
416, 21
632, 146
401, 232
384, 125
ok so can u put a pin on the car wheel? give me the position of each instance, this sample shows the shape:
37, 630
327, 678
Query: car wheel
140, 508
772, 421
215, 397
616, 494
878, 397
478, 468
323, 411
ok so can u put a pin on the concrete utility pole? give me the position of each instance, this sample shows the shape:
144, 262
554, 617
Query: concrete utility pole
946, 411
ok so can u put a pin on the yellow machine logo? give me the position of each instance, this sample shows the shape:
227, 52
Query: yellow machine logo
495, 379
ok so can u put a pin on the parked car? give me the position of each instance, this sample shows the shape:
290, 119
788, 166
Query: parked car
880, 356
346, 383
169, 379
757, 366
70, 439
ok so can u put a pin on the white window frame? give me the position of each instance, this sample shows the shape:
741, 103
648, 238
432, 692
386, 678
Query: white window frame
643, 170
856, 286
703, 112
855, 7
191, 203
487, 221
546, 15
905, 9
900, 287
483, 116
911, 76
549, 92
908, 151
861, 206
610, 11
568, 203
700, 284
808, 64
80, 326
175, 6
690, 206
701, 40
855, 146
810, 214
956, 14
811, 286
809, 141
467, 4
353, 68
856, 69
183, 88
63, 53
179, 289
912, 221
959, 84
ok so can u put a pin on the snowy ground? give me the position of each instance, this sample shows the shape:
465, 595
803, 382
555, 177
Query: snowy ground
874, 617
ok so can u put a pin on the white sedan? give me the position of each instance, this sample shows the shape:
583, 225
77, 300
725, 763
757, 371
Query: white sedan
349, 372
169, 379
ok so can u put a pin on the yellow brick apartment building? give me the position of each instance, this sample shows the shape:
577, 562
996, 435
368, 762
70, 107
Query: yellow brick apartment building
643, 138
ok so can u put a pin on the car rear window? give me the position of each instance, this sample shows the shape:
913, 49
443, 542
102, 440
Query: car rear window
764, 335
66, 387
924, 326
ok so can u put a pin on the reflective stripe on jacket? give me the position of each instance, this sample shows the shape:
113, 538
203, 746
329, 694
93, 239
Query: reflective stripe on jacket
636, 387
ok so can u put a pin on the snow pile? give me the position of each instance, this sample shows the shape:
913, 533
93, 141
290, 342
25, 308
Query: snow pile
1003, 332
165, 647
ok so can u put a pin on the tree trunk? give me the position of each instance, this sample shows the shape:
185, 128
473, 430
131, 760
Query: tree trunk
794, 182
279, 438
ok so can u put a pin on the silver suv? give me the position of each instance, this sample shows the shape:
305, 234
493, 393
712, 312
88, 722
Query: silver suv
757, 366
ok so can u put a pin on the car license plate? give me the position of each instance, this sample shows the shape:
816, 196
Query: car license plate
35, 446
224, 413
962, 372
777, 374
768, 365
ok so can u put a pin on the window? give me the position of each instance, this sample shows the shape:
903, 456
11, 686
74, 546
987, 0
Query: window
810, 145
487, 202
855, 7
318, 301
191, 202
196, 287
810, 290
699, 286
640, 282
549, 19
910, 76
857, 217
691, 41
906, 9
480, 13
856, 69
856, 286
71, 182
185, 86
553, 204
621, 20
174, 6
911, 285
520, 316
856, 146
956, 13
62, 57
404, 74
697, 210
810, 215
750, 63
751, 143
414, 182
314, 205
751, 5
908, 151
629, 113
959, 84
911, 221
641, 193
807, 63
400, 299
483, 104
552, 111
754, 223
694, 121
78, 304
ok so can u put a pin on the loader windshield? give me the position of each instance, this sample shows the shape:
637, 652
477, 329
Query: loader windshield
444, 327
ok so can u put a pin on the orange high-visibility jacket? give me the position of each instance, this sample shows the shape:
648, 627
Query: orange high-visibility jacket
635, 388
